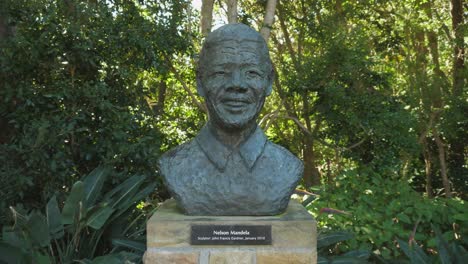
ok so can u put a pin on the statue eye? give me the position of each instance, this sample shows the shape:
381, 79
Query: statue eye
253, 73
219, 73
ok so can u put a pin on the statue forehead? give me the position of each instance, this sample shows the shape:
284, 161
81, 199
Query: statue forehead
234, 32
234, 40
231, 49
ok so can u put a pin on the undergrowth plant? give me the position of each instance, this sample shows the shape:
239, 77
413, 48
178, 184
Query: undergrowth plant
89, 224
379, 211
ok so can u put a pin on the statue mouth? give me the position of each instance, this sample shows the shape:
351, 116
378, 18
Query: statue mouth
235, 102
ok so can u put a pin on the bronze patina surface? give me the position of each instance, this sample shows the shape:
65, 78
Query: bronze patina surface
230, 167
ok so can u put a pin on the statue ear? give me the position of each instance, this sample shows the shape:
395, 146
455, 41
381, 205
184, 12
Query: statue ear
200, 89
269, 88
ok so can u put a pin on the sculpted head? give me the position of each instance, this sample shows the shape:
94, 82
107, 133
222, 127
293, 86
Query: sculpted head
234, 75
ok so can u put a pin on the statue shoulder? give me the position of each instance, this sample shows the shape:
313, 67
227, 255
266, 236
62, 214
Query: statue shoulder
176, 155
285, 157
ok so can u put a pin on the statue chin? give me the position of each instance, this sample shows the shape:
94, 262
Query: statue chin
233, 124
233, 121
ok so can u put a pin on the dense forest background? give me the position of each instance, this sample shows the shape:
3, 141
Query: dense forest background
370, 94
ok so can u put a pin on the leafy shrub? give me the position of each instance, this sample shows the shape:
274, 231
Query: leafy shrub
88, 225
327, 241
448, 253
379, 210
75, 77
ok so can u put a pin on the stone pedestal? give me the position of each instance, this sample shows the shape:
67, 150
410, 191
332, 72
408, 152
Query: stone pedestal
293, 236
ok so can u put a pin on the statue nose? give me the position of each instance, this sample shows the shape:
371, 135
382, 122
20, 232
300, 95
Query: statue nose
237, 83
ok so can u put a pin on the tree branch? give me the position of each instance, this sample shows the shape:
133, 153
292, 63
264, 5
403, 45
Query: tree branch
269, 19
287, 38
232, 11
276, 115
200, 105
206, 16
432, 118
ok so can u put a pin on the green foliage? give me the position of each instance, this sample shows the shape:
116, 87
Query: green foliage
85, 83
448, 253
87, 223
378, 210
365, 79
74, 94
326, 242
353, 101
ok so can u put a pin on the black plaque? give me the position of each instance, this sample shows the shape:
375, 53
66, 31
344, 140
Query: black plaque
230, 235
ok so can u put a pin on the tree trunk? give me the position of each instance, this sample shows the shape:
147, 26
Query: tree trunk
440, 82
232, 11
4, 126
158, 108
3, 26
287, 38
329, 174
269, 19
428, 169
340, 14
458, 142
421, 77
458, 49
443, 165
310, 178
206, 16
311, 173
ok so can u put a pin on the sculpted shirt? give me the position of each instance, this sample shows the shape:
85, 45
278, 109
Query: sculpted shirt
208, 178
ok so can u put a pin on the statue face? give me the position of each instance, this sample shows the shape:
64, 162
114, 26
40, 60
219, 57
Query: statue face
235, 82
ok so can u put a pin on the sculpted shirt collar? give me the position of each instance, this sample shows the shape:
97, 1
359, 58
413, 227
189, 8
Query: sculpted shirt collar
219, 154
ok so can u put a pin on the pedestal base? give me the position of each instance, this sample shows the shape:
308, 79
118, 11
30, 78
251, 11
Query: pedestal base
293, 237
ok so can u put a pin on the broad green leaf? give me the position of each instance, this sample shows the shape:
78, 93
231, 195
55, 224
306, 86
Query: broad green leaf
140, 195
84, 261
54, 218
308, 200
129, 188
99, 218
41, 258
358, 254
322, 260
11, 254
107, 259
121, 187
130, 256
12, 237
459, 253
416, 256
129, 244
347, 260
461, 217
442, 247
38, 229
72, 204
420, 255
93, 183
404, 218
325, 240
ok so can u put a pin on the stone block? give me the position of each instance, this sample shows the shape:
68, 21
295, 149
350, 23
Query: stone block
170, 257
168, 227
232, 257
293, 237
269, 257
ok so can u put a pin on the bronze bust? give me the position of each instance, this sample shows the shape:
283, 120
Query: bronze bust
231, 168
